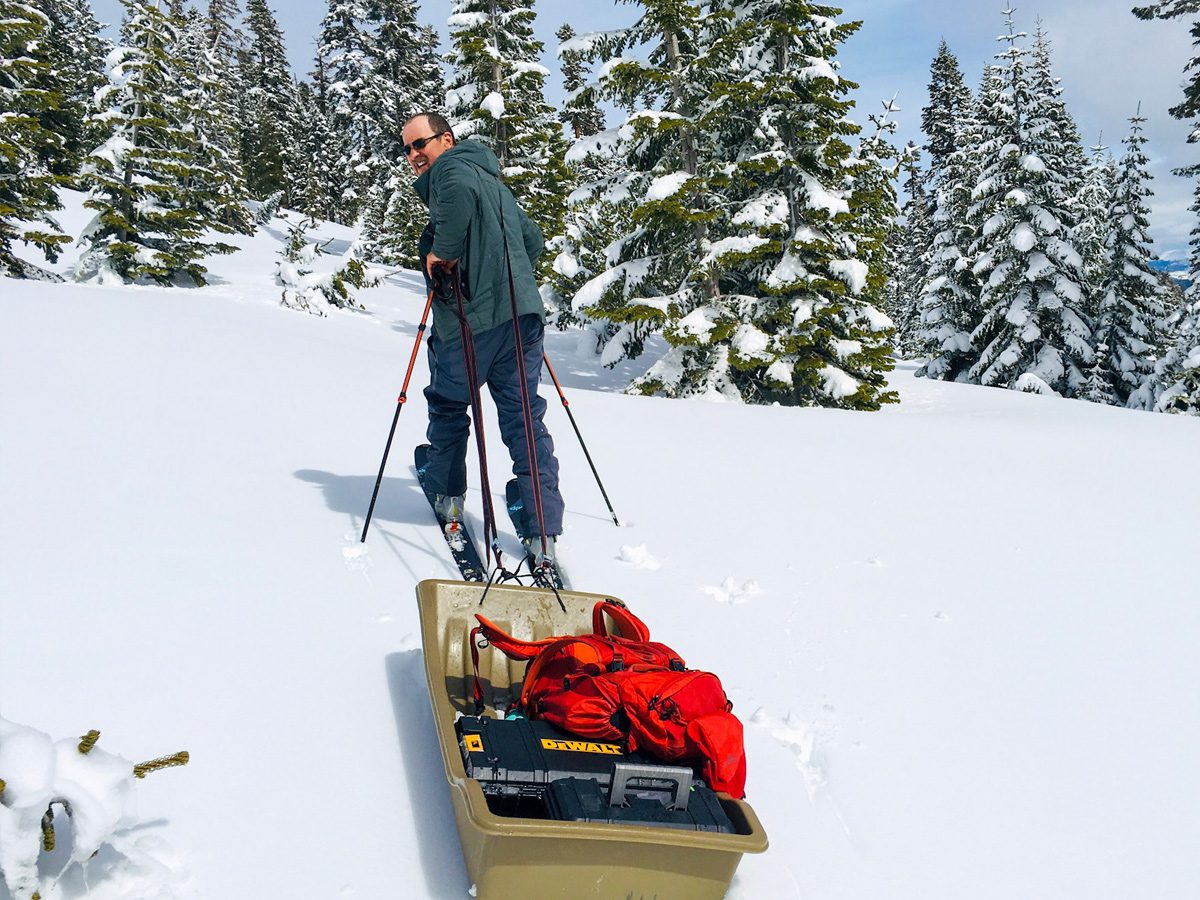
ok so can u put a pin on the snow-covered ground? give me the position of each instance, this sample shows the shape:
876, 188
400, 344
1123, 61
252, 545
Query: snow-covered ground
961, 632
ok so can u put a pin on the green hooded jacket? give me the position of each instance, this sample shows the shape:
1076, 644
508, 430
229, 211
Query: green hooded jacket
465, 197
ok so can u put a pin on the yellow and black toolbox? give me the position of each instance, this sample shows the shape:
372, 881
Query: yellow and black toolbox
533, 769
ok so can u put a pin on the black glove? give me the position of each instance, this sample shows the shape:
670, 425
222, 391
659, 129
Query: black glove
443, 277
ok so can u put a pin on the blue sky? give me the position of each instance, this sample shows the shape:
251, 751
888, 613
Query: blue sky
1108, 60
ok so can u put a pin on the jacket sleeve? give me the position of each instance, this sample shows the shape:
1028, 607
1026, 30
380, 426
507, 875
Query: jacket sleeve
451, 211
535, 243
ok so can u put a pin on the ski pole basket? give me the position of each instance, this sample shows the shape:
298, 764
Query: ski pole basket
637, 837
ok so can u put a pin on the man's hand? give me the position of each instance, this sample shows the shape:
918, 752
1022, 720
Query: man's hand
432, 261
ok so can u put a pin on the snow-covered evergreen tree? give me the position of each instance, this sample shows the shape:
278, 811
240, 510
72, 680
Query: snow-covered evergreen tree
654, 271
1090, 234
911, 246
268, 101
27, 186
311, 291
580, 112
1131, 301
1178, 372
148, 223
779, 304
216, 184
1053, 128
319, 181
74, 51
496, 95
344, 49
1033, 323
1097, 388
949, 103
406, 79
949, 302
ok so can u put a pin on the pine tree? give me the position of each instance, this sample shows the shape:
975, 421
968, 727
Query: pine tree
792, 225
402, 218
320, 184
74, 52
949, 103
1090, 235
216, 185
911, 246
497, 95
949, 302
406, 79
1033, 333
310, 291
1057, 136
1178, 372
580, 113
405, 76
653, 272
593, 220
268, 101
345, 46
27, 186
1132, 305
1098, 386
148, 223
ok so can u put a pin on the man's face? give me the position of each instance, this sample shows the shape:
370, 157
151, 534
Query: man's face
416, 131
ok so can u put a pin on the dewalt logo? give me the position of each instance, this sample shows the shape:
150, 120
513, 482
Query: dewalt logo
581, 746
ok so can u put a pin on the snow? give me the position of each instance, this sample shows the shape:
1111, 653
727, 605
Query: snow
964, 672
851, 271
493, 105
1023, 238
819, 198
742, 244
665, 186
750, 342
762, 212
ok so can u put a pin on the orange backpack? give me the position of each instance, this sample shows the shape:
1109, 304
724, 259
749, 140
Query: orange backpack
610, 687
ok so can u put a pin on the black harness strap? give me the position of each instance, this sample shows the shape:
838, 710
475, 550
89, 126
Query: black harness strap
522, 377
491, 535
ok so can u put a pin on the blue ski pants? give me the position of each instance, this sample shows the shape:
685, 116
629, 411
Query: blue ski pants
449, 403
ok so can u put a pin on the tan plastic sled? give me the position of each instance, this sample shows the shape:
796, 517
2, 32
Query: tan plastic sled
509, 857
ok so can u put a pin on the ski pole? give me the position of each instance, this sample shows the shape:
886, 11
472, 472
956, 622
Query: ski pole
399, 406
571, 416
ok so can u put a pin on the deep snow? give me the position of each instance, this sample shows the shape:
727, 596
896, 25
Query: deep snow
961, 631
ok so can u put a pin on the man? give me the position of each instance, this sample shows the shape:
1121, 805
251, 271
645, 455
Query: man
472, 217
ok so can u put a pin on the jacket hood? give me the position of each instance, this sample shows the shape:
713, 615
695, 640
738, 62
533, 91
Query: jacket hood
476, 153
468, 151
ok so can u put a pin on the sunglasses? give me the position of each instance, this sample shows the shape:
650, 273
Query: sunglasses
419, 144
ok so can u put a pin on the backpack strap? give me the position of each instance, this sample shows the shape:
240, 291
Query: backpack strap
631, 626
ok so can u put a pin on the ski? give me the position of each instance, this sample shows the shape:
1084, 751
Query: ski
458, 540
516, 512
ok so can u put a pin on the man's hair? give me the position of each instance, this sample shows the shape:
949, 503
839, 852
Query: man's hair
436, 121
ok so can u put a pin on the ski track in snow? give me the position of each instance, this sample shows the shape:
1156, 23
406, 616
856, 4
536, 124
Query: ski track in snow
728, 591
807, 742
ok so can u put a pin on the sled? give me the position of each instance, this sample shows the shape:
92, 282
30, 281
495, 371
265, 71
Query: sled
533, 858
